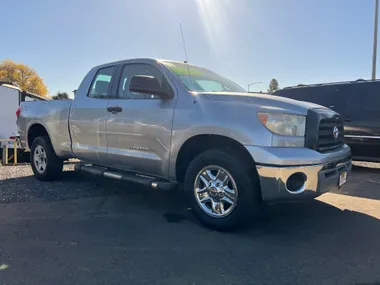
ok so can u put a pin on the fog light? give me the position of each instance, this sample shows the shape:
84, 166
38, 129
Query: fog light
296, 183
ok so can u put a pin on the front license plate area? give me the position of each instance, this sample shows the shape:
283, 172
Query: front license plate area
342, 178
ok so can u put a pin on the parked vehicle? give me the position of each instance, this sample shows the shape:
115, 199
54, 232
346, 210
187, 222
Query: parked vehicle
10, 98
161, 123
357, 102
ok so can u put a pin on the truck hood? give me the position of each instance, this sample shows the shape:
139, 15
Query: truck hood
263, 102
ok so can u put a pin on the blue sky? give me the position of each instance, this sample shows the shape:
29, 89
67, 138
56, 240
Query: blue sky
294, 41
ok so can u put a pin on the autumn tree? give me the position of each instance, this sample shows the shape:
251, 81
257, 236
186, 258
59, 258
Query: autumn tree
26, 77
61, 96
273, 86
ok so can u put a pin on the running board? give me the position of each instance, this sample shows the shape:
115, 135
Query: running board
142, 180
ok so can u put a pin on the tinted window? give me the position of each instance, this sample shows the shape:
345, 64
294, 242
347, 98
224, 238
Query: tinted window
211, 85
201, 80
100, 86
361, 97
131, 70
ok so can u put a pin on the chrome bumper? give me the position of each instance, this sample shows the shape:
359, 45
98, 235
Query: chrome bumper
320, 179
320, 170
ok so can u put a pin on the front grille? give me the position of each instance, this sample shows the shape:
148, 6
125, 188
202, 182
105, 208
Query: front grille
319, 134
327, 142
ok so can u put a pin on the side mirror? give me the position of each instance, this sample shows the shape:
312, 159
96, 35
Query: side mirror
147, 84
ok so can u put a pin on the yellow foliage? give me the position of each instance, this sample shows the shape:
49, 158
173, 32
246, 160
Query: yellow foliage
26, 77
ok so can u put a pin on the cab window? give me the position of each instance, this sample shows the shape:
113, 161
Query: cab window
131, 70
100, 87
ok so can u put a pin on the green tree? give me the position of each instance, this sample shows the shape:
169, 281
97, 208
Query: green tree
26, 77
61, 96
273, 86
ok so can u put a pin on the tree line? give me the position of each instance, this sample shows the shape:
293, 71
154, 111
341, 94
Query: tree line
23, 76
26, 78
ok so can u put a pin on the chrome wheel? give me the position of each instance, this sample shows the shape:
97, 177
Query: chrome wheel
215, 191
40, 161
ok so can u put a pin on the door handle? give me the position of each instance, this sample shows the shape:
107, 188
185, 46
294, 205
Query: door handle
114, 109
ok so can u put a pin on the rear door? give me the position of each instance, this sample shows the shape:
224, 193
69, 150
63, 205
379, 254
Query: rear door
361, 115
88, 117
139, 126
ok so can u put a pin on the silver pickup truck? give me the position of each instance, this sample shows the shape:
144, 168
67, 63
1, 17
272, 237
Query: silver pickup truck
164, 123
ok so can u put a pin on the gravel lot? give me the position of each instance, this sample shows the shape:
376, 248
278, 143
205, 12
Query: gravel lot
17, 184
84, 230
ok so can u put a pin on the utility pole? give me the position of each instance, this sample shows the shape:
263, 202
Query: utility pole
249, 85
375, 41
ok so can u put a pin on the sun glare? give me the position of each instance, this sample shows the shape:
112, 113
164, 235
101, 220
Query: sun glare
215, 20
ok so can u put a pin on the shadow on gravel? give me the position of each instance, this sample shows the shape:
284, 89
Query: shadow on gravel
152, 235
75, 185
323, 237
306, 220
298, 221
72, 186
364, 182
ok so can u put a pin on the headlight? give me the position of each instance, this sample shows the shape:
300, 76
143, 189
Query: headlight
284, 124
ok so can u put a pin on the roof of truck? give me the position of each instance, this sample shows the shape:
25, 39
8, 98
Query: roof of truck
330, 83
126, 60
131, 60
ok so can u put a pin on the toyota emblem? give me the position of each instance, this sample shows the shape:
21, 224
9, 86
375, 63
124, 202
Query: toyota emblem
335, 132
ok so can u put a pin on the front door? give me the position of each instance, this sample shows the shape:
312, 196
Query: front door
139, 126
88, 118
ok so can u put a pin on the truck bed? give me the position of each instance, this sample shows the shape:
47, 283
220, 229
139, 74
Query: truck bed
53, 115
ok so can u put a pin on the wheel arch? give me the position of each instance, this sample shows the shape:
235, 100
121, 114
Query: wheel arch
34, 131
203, 142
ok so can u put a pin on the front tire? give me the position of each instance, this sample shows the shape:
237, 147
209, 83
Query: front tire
222, 188
46, 165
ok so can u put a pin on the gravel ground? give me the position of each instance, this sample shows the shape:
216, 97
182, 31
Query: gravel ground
363, 181
119, 234
17, 184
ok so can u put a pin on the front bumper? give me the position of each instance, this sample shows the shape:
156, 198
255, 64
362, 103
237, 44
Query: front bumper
320, 177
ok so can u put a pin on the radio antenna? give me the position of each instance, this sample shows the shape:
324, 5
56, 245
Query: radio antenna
186, 61
184, 43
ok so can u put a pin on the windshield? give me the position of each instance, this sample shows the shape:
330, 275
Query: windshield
201, 79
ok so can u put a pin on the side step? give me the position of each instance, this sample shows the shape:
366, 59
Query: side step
142, 180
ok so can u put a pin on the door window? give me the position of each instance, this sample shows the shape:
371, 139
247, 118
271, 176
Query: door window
362, 98
131, 70
100, 87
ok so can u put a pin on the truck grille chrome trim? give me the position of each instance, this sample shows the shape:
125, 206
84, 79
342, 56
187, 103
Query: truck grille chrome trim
324, 131
330, 135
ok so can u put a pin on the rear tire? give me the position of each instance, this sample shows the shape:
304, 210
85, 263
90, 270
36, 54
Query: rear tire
45, 164
218, 202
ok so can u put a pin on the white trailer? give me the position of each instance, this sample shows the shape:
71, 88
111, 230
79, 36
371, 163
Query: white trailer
10, 98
